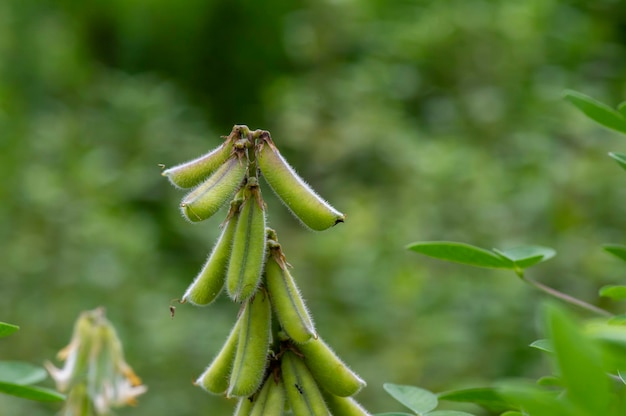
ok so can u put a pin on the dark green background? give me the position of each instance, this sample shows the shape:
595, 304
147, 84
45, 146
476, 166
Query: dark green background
421, 120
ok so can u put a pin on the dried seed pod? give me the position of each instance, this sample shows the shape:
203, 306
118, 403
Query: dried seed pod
248, 252
286, 300
330, 372
301, 200
210, 281
208, 197
303, 394
216, 377
190, 174
252, 347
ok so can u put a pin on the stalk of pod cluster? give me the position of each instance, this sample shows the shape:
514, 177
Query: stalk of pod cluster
273, 361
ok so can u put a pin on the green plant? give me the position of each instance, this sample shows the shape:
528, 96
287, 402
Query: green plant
273, 358
588, 357
17, 378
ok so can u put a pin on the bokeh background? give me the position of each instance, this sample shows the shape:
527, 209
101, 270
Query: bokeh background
422, 120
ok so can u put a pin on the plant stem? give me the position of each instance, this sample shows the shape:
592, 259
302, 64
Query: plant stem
567, 298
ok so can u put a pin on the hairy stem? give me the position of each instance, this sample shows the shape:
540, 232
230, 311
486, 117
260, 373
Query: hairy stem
567, 298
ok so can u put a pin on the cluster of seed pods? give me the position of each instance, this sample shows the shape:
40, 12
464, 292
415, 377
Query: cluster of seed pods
273, 361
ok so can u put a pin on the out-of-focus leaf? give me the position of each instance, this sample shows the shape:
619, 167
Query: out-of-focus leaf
460, 253
7, 329
604, 331
419, 400
549, 381
579, 362
39, 394
617, 320
543, 345
535, 400
511, 413
18, 372
526, 256
620, 158
597, 111
486, 397
615, 292
394, 414
449, 413
617, 250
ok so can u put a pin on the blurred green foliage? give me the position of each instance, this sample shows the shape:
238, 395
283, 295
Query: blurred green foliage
422, 120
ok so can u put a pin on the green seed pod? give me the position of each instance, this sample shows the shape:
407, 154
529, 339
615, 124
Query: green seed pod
344, 406
244, 406
190, 174
286, 300
248, 252
210, 281
330, 372
303, 394
208, 197
271, 399
252, 348
301, 200
215, 378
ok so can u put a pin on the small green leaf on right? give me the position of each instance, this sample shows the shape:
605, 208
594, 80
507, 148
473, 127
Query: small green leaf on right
617, 250
526, 256
543, 345
419, 400
597, 111
7, 329
461, 253
620, 158
615, 292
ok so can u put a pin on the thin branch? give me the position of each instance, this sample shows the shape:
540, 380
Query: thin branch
567, 298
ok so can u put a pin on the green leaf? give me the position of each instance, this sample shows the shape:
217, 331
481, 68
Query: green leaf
418, 400
511, 413
7, 329
579, 361
543, 345
622, 108
605, 331
597, 111
18, 372
617, 250
394, 414
549, 381
535, 400
617, 320
526, 256
486, 397
620, 158
615, 292
460, 253
449, 413
40, 394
